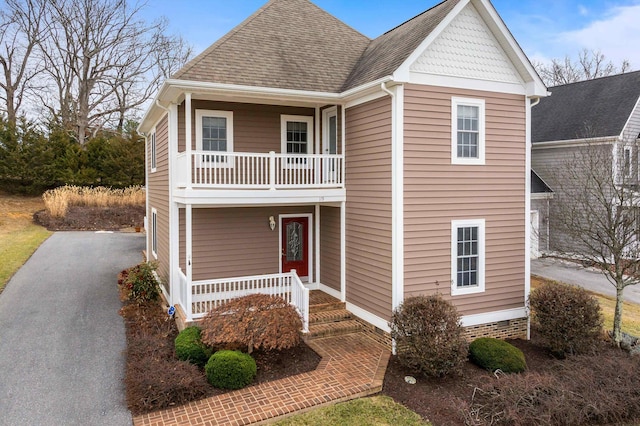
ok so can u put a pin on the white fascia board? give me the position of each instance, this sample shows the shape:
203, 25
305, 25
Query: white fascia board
148, 121
541, 195
568, 143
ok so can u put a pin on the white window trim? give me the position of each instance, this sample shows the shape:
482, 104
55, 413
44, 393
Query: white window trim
455, 102
283, 131
200, 113
455, 224
154, 233
154, 151
628, 173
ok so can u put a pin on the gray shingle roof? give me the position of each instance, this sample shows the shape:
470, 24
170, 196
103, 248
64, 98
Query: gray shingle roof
293, 44
287, 44
588, 109
538, 186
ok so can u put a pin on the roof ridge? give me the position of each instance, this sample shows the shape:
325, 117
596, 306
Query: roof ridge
621, 74
410, 19
222, 40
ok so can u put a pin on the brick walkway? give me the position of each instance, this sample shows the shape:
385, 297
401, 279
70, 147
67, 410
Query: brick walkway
352, 366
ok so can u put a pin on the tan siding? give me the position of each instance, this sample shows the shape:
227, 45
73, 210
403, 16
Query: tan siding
437, 192
232, 242
330, 247
256, 128
158, 189
182, 243
368, 183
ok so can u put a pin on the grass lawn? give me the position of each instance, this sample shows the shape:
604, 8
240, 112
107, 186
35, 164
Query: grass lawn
377, 410
630, 311
19, 236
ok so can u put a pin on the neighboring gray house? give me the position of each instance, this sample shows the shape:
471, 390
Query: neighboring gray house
600, 116
541, 195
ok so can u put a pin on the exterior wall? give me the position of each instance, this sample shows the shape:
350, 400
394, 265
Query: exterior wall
256, 128
330, 247
158, 190
368, 214
510, 329
632, 129
542, 206
562, 169
233, 242
437, 192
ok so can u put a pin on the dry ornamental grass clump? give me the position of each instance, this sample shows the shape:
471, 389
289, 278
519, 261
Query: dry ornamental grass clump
57, 201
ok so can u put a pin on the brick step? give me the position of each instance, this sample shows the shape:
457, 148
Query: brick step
329, 316
333, 329
330, 306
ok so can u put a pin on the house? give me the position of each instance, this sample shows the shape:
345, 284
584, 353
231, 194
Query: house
590, 119
541, 196
296, 153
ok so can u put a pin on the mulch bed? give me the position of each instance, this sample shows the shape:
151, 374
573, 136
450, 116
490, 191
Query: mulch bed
93, 218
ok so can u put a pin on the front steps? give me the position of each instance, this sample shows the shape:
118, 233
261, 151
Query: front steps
329, 317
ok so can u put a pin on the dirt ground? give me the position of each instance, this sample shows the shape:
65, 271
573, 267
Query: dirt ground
16, 212
94, 219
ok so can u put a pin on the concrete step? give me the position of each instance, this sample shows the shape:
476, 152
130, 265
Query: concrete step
327, 329
329, 316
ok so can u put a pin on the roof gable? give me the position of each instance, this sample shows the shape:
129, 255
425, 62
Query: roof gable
287, 44
467, 48
589, 109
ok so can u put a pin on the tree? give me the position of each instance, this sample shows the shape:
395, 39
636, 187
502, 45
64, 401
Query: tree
589, 65
21, 30
596, 214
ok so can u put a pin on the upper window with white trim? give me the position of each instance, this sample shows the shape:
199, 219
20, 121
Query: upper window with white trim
627, 164
467, 256
152, 143
297, 134
214, 132
467, 131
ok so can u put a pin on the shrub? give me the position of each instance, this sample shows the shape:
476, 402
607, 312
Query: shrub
495, 354
567, 318
429, 336
255, 321
138, 284
230, 369
189, 347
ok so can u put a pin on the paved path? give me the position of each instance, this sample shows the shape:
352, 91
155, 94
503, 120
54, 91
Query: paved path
61, 338
573, 273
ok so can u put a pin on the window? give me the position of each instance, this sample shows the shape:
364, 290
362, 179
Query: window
627, 162
214, 132
297, 134
152, 138
467, 256
467, 131
154, 232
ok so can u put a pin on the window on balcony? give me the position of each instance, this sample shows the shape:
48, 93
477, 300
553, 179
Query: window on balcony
214, 132
467, 138
297, 136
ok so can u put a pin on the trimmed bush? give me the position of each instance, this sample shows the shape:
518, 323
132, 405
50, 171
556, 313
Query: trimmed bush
257, 321
189, 347
230, 369
495, 354
567, 317
429, 336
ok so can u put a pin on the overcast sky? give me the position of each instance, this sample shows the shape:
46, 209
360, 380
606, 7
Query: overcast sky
544, 28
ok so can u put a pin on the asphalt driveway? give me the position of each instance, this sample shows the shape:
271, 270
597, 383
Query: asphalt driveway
574, 273
61, 338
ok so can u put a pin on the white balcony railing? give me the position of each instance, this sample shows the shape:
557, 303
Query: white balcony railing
243, 170
200, 297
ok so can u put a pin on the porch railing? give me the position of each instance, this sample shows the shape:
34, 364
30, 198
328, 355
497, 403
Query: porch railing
202, 296
244, 170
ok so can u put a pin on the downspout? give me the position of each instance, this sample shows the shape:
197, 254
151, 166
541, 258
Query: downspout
527, 206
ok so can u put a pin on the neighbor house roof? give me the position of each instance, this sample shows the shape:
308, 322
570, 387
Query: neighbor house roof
538, 186
587, 109
286, 44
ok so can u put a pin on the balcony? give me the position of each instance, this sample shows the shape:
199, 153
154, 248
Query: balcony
270, 171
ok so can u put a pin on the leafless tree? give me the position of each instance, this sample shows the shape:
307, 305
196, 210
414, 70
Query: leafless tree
595, 212
101, 57
22, 28
589, 65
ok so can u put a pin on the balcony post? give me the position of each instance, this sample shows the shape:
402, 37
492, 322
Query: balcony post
272, 170
187, 138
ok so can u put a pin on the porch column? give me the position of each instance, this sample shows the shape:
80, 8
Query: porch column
187, 137
317, 241
343, 252
188, 254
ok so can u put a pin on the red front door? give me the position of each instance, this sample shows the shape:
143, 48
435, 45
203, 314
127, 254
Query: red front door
295, 247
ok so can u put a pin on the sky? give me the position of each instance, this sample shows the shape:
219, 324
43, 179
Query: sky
545, 29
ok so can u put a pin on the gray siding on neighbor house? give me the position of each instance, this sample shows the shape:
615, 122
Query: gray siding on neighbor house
368, 215
632, 129
437, 192
158, 191
542, 205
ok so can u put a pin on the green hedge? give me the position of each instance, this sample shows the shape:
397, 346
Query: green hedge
494, 354
230, 369
189, 347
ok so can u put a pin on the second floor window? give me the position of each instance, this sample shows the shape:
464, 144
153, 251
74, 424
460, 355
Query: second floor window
467, 135
297, 134
214, 132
